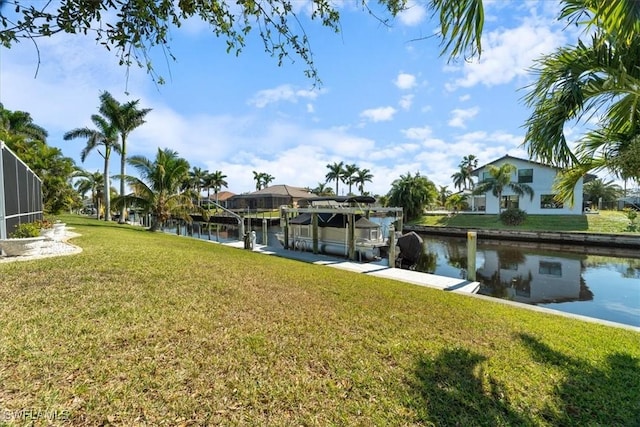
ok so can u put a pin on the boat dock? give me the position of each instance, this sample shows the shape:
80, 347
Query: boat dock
375, 268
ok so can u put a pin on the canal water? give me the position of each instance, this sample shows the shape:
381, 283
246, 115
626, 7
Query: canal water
560, 277
601, 284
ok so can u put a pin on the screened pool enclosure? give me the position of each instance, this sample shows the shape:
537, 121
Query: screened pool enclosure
20, 192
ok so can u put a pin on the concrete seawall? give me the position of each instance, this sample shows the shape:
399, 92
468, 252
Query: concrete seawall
623, 241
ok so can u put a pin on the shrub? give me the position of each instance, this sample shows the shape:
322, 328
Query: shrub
513, 216
26, 229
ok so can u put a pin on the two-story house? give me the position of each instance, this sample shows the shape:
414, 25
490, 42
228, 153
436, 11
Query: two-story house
540, 178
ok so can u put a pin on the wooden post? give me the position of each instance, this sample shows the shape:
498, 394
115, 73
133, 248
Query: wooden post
392, 246
265, 236
471, 255
286, 230
351, 236
314, 229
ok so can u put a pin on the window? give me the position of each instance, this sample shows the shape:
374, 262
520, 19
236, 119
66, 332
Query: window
510, 202
486, 176
548, 201
525, 176
550, 268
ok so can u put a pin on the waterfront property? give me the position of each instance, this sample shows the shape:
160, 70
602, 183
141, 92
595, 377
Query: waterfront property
539, 177
268, 198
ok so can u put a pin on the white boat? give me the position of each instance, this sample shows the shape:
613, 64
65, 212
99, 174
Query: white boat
334, 234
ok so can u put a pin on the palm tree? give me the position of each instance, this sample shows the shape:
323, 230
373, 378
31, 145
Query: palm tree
93, 182
336, 172
443, 194
267, 179
196, 180
362, 176
21, 123
413, 193
600, 77
469, 163
460, 179
215, 180
125, 118
598, 190
323, 190
456, 202
257, 177
157, 190
106, 135
348, 175
499, 181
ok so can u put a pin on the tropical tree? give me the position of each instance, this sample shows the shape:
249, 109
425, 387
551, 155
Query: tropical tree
460, 179
267, 179
94, 183
413, 193
598, 190
443, 194
469, 163
157, 189
457, 202
362, 176
323, 190
215, 181
105, 135
336, 172
501, 180
196, 181
21, 123
348, 175
125, 118
599, 77
28, 141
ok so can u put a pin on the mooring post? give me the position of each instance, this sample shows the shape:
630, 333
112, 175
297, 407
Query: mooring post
472, 240
392, 246
314, 228
265, 236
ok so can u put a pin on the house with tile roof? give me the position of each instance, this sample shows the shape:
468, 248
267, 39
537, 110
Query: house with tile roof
269, 198
540, 177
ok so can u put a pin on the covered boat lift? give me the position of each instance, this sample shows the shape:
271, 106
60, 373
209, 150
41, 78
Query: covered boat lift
357, 209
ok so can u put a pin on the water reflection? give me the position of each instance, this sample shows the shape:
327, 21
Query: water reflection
595, 285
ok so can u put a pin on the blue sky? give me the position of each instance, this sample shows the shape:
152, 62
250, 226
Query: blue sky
388, 102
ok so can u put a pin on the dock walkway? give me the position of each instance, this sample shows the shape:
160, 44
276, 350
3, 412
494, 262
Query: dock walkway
377, 268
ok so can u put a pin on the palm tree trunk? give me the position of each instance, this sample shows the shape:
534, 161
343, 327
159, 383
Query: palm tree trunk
107, 192
123, 158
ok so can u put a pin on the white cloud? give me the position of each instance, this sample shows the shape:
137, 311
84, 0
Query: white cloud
380, 114
464, 98
413, 15
459, 117
406, 101
405, 81
281, 93
508, 54
417, 133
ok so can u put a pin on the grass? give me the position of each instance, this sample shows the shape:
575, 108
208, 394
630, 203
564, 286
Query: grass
153, 329
602, 222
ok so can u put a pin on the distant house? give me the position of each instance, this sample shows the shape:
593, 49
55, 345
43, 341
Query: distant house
268, 198
539, 177
20, 192
223, 197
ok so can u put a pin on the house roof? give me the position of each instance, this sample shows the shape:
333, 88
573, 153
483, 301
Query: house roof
281, 190
587, 177
222, 195
508, 157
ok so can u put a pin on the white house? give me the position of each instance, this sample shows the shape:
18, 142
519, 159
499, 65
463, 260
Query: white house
540, 178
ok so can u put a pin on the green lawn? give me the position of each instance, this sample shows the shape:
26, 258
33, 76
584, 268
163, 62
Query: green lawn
601, 222
153, 329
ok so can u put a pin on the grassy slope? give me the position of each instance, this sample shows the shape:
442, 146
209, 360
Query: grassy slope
603, 222
146, 328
